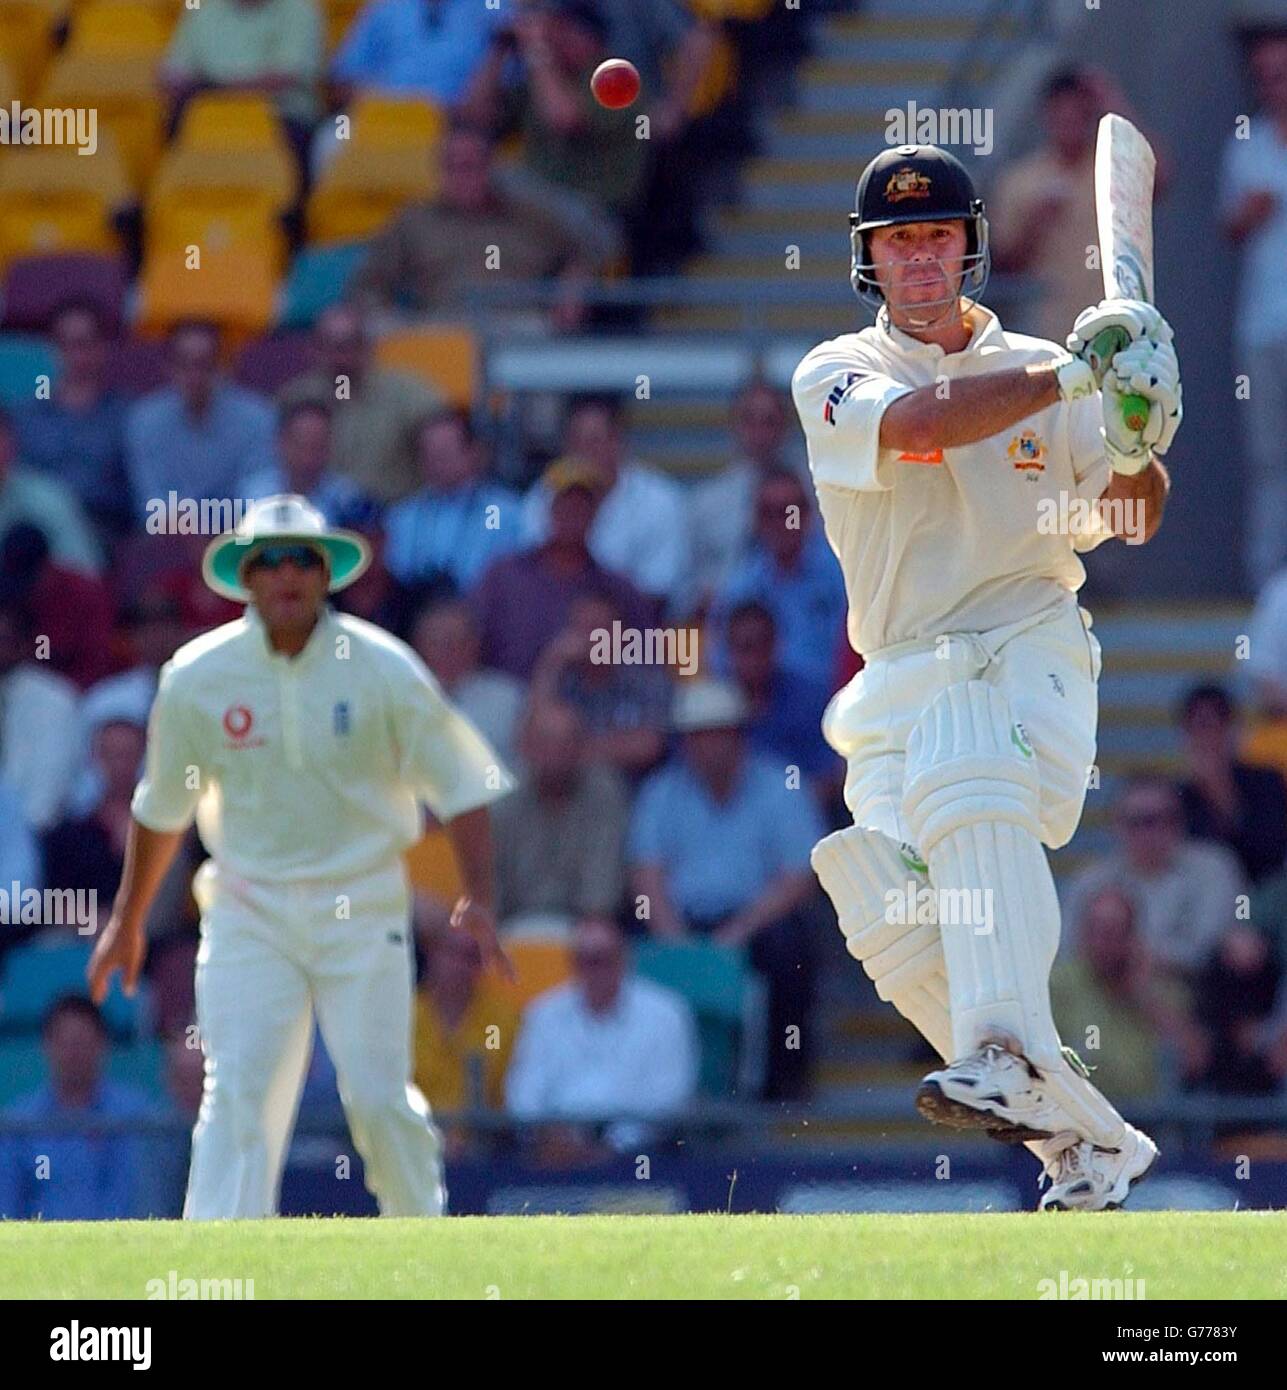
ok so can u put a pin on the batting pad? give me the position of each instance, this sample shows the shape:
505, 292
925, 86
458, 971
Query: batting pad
869, 879
971, 798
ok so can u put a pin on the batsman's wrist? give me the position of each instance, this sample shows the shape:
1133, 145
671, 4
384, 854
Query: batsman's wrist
1074, 378
1128, 465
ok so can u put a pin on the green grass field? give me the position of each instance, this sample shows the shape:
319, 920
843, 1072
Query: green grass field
1176, 1255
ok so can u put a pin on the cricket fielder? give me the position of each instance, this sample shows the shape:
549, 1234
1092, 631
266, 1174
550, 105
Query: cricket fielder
302, 740
959, 469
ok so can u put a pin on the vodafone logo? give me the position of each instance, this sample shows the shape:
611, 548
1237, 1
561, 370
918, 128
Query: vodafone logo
237, 722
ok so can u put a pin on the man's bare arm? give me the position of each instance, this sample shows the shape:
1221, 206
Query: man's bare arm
972, 408
148, 857
1149, 487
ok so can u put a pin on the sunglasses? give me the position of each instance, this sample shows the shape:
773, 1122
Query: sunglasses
273, 557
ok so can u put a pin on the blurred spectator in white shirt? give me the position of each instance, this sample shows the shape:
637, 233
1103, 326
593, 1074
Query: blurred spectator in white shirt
1186, 893
1254, 207
40, 733
605, 1046
641, 528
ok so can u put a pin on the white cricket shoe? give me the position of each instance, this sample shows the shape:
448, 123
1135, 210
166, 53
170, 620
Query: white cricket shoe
1084, 1178
994, 1090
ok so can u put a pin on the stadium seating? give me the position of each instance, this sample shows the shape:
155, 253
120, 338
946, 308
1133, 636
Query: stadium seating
35, 286
27, 29
35, 977
123, 92
55, 201
432, 867
446, 357
725, 997
120, 29
337, 15
267, 364
22, 360
361, 189
319, 277
235, 287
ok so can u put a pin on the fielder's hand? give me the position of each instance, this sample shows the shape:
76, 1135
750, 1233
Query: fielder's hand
472, 917
119, 947
1131, 319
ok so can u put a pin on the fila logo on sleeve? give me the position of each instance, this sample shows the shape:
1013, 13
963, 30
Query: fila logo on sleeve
838, 392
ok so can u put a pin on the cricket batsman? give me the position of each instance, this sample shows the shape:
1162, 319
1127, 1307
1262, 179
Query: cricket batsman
941, 447
303, 741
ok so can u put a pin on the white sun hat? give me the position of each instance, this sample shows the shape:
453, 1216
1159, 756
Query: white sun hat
284, 517
704, 704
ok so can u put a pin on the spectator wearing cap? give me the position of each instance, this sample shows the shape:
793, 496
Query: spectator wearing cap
432, 254
1224, 799
61, 1176
405, 46
198, 436
44, 502
525, 599
605, 1046
446, 638
466, 1024
721, 506
568, 139
624, 708
71, 610
1185, 892
791, 571
1116, 1009
446, 534
560, 837
784, 713
77, 434
40, 741
719, 847
375, 411
641, 527
303, 467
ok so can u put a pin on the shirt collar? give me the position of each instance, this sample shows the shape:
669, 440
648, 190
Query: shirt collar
987, 333
317, 642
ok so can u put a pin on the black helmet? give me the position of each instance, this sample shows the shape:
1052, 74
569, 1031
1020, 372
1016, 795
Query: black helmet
916, 183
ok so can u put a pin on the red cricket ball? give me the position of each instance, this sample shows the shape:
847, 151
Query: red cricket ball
615, 83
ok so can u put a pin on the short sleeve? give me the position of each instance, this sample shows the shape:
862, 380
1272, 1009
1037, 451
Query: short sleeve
1091, 469
166, 799
442, 756
841, 405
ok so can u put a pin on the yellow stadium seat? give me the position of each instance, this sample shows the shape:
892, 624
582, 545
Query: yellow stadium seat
446, 357
338, 15
235, 287
361, 189
717, 79
380, 122
432, 867
745, 10
55, 201
218, 222
119, 29
27, 29
123, 92
185, 173
539, 965
231, 121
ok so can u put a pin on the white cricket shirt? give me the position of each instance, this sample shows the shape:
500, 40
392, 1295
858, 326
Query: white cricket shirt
307, 767
952, 542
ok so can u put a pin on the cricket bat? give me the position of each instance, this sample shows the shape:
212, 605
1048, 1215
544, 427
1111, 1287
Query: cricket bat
1124, 166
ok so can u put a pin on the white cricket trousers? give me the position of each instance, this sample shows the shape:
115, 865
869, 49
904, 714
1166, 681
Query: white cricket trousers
1046, 666
271, 954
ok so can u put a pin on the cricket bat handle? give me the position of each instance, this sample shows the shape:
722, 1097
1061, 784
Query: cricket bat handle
1135, 409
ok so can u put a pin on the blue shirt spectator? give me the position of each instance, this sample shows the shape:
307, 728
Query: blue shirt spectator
65, 1176
431, 47
458, 522
78, 434
303, 467
197, 437
720, 822
791, 571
